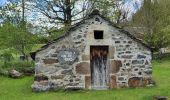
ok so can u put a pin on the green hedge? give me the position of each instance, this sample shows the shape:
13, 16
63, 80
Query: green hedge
163, 56
23, 64
18, 65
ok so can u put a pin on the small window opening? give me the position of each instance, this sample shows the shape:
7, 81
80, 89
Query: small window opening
97, 19
98, 34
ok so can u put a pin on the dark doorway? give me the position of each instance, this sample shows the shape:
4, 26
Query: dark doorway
99, 67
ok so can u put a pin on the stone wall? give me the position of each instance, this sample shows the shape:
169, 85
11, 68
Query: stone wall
130, 61
135, 60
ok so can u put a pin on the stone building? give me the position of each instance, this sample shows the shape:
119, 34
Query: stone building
93, 54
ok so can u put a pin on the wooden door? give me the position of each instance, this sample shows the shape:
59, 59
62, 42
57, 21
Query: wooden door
99, 67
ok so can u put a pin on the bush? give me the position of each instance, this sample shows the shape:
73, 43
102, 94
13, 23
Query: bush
25, 67
6, 57
7, 65
3, 72
19, 65
163, 56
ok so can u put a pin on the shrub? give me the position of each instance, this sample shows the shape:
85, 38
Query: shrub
25, 67
6, 57
163, 56
19, 65
3, 72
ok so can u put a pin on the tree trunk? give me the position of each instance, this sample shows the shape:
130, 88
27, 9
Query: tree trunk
23, 15
68, 16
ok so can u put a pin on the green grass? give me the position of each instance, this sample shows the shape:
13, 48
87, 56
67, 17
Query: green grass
19, 89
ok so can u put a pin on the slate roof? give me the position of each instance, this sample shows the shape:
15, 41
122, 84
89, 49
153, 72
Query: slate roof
72, 28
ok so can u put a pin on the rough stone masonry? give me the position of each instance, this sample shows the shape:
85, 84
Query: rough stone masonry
69, 63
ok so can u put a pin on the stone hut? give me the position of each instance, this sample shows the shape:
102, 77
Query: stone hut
93, 54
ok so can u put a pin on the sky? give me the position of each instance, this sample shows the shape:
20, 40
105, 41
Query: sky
128, 2
2, 2
131, 5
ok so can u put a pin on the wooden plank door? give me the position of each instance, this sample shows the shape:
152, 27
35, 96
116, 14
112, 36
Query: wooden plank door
99, 67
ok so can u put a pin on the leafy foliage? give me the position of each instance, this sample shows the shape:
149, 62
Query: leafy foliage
154, 17
62, 11
10, 12
111, 9
19, 65
6, 56
17, 38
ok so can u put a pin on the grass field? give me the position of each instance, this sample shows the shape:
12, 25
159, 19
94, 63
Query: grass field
19, 89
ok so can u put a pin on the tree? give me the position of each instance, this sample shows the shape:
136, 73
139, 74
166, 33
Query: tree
112, 9
68, 12
17, 38
10, 13
13, 32
154, 17
6, 56
65, 12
